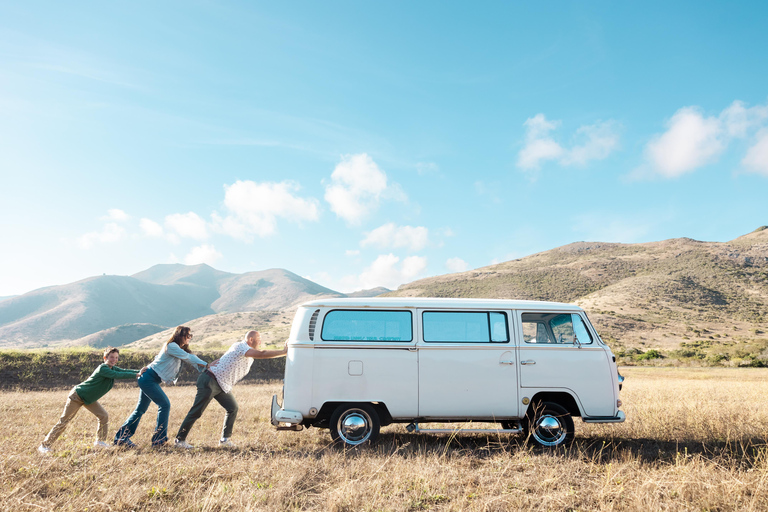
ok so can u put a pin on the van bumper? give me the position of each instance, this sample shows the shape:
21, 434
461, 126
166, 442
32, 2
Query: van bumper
280, 415
619, 418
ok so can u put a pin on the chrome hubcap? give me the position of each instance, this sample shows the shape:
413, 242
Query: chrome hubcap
549, 431
354, 426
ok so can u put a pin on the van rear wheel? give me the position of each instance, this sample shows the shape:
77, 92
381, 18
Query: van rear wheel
354, 424
549, 424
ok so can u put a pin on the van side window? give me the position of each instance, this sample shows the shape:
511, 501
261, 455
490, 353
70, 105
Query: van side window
554, 328
467, 327
355, 325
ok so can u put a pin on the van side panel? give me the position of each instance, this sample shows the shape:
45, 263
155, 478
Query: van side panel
367, 374
467, 382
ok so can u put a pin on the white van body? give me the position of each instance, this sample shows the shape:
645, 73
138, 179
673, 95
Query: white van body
354, 365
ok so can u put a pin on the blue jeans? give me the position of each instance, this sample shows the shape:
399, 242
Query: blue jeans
149, 383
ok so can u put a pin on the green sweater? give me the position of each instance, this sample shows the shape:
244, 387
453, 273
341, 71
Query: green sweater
101, 381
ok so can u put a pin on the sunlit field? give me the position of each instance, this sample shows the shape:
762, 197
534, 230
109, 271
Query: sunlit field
694, 439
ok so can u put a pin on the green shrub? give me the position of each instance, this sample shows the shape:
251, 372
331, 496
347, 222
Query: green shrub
650, 354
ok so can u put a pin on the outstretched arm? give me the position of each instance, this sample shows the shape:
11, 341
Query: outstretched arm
266, 354
191, 359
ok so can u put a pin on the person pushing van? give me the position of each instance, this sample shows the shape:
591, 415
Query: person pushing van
217, 382
87, 394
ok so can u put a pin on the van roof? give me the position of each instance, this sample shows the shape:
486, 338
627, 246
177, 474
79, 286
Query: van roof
423, 302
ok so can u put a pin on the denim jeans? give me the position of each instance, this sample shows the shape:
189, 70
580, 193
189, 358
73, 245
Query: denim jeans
208, 388
149, 383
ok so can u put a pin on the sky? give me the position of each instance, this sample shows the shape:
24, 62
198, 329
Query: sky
363, 144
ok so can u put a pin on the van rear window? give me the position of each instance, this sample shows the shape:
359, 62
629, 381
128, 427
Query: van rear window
356, 325
469, 327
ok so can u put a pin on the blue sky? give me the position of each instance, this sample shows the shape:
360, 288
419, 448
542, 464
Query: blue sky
364, 144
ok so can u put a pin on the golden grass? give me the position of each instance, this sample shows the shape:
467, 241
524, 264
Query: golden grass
695, 439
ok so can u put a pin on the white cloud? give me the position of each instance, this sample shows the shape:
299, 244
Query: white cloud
690, 141
693, 140
352, 252
738, 120
456, 264
117, 215
390, 235
385, 271
110, 233
202, 254
187, 225
594, 142
151, 228
756, 159
599, 140
539, 146
255, 207
357, 186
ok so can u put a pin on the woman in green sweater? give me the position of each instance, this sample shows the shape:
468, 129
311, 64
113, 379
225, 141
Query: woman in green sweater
86, 394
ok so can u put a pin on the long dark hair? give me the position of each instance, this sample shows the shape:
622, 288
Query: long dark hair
180, 338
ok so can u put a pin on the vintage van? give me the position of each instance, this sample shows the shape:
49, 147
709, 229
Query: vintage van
355, 365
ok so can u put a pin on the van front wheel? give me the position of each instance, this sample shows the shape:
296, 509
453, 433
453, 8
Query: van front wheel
354, 424
549, 424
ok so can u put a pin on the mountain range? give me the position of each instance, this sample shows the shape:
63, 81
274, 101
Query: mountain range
689, 299
114, 310
679, 296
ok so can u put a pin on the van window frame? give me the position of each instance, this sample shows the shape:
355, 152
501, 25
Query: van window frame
367, 310
548, 327
488, 317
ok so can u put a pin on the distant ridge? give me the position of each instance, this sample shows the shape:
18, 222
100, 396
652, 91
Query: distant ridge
695, 300
175, 273
117, 336
373, 292
103, 310
657, 294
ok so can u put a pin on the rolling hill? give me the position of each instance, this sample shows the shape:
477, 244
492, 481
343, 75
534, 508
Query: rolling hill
686, 300
683, 297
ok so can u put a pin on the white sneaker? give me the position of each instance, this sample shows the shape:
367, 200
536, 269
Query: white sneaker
178, 443
44, 450
100, 445
226, 443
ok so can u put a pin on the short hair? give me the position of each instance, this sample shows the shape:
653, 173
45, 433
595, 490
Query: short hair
109, 350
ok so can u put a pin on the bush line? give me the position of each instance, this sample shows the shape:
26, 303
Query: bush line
40, 370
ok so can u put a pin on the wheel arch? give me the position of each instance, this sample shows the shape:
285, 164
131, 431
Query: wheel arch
562, 398
323, 417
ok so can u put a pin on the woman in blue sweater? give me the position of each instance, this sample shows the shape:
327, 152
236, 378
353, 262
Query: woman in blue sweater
165, 368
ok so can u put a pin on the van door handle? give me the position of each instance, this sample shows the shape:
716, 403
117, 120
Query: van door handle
529, 361
507, 362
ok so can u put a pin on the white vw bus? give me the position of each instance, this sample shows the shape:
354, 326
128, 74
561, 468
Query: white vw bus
355, 365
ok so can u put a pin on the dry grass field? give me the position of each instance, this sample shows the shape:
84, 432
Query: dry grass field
695, 439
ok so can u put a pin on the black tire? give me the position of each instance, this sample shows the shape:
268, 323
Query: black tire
354, 424
548, 424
